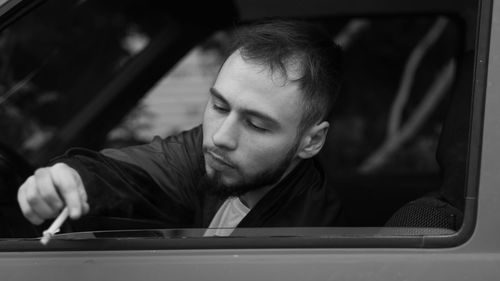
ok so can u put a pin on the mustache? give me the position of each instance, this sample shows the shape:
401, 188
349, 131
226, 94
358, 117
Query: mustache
220, 154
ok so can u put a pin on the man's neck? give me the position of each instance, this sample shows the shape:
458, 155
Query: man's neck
251, 198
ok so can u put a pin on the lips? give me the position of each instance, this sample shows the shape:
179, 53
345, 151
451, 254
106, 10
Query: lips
217, 162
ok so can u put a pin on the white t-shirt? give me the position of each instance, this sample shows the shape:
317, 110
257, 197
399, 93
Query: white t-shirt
227, 217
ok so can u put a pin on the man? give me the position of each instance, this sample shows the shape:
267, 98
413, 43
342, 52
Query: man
250, 164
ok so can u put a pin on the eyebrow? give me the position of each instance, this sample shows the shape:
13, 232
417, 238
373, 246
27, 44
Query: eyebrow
264, 117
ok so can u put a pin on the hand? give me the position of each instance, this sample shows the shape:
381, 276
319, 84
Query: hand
43, 195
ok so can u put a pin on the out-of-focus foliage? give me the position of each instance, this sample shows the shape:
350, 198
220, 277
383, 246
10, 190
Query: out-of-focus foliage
56, 59
374, 65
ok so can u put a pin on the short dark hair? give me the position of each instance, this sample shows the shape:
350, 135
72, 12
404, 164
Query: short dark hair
276, 43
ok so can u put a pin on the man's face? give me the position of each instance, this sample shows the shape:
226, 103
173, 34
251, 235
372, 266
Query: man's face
250, 126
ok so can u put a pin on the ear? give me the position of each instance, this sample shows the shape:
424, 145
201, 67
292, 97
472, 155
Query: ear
313, 140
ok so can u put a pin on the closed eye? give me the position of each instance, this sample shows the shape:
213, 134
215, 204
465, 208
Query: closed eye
256, 127
219, 108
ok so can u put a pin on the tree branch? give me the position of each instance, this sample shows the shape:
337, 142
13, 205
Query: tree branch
350, 31
408, 77
435, 93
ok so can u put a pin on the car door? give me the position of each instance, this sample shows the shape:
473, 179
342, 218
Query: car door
364, 249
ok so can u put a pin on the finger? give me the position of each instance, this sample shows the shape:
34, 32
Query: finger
68, 187
47, 190
26, 209
34, 198
86, 208
81, 190
83, 199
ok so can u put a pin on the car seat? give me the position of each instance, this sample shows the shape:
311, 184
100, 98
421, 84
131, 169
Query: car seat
444, 208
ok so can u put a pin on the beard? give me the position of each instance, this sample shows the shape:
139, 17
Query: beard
214, 184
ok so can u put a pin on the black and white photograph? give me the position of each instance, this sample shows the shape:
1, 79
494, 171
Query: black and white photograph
249, 140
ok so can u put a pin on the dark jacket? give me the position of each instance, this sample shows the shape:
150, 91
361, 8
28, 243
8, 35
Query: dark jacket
162, 181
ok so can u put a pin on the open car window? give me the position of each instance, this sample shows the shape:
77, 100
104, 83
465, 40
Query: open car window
397, 153
383, 145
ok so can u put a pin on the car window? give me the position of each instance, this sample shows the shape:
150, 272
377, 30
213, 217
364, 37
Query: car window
397, 152
385, 131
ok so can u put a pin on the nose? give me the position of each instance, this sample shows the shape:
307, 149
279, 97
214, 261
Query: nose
226, 135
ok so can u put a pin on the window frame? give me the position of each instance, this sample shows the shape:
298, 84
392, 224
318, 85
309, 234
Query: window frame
326, 240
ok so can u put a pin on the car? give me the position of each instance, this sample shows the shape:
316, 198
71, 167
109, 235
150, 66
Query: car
413, 153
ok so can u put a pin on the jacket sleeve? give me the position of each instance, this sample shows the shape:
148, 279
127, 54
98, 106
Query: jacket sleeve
155, 181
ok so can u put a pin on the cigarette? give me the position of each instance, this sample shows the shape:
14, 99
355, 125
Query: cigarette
54, 227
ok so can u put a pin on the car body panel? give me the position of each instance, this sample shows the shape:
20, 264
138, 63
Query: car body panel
487, 230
